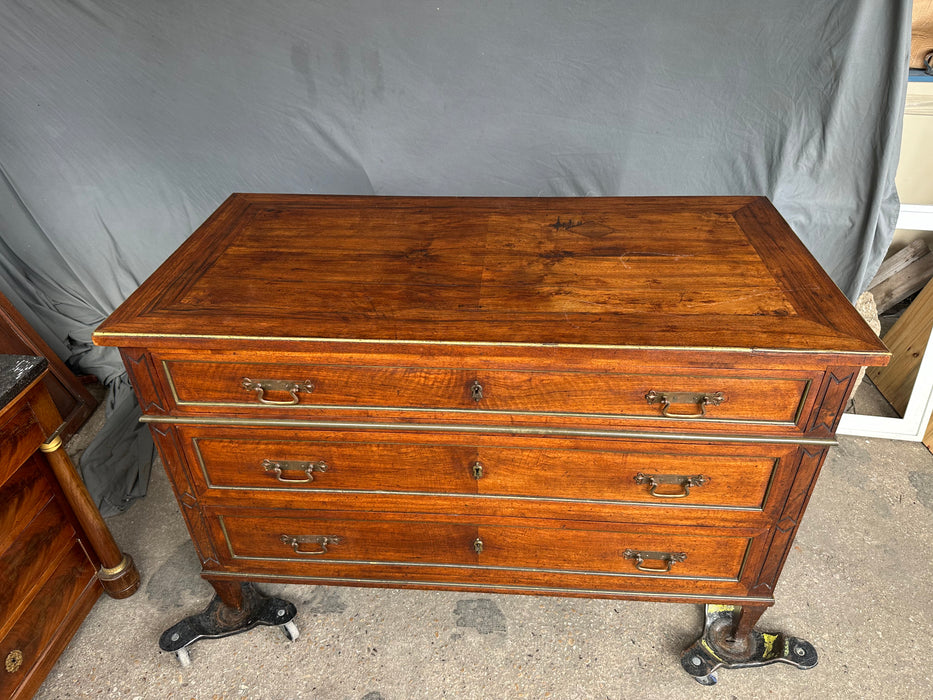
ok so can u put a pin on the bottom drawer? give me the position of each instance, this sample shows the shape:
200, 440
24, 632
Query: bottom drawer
506, 551
44, 628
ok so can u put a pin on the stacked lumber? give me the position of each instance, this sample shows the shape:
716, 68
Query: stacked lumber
902, 274
921, 44
907, 341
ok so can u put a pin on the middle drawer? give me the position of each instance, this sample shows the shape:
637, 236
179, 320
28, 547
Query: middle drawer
742, 476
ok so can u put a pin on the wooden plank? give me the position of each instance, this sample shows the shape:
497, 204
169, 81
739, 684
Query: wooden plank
907, 341
921, 28
912, 252
897, 288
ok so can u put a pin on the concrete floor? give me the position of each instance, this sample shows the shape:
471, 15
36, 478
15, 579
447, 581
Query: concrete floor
858, 585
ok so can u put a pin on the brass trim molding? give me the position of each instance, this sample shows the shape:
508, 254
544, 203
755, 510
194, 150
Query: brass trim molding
116, 570
508, 430
489, 588
480, 343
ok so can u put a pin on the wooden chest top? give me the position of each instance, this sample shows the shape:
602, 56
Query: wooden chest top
660, 272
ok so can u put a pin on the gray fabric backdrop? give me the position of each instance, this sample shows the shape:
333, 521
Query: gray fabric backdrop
124, 123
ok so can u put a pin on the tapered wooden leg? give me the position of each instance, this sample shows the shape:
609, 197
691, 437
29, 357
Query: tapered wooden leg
745, 620
232, 593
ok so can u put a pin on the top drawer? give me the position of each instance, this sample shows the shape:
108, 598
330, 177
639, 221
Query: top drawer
20, 436
294, 389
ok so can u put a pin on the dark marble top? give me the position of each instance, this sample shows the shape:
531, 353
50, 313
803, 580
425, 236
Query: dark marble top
16, 373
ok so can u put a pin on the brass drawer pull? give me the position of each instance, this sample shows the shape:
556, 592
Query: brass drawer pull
322, 541
476, 391
286, 466
701, 401
263, 385
684, 482
478, 545
477, 470
669, 558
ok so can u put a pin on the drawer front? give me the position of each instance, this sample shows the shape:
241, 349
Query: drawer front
201, 387
28, 558
20, 435
334, 538
22, 496
70, 589
662, 474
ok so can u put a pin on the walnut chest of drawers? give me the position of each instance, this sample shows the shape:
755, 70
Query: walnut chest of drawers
613, 397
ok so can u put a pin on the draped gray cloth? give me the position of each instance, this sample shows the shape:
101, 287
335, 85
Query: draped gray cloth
123, 124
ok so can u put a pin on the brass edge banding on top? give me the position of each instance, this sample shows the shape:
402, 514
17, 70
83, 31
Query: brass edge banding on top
509, 430
256, 575
482, 343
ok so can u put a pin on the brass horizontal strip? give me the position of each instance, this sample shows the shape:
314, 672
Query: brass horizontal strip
478, 567
480, 343
490, 587
475, 411
507, 430
491, 496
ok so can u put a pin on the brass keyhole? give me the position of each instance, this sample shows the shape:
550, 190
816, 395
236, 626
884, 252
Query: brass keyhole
476, 391
478, 545
14, 660
477, 470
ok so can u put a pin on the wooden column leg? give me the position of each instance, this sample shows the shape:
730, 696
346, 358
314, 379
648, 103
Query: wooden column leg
118, 573
233, 593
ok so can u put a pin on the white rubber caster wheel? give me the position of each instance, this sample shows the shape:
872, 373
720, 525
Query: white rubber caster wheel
711, 679
291, 630
184, 658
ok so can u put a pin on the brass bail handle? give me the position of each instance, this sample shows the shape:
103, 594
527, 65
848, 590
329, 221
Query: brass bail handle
261, 386
277, 467
701, 401
669, 559
320, 541
682, 482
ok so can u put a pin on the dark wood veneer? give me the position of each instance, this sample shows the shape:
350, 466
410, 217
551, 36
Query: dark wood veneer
56, 554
